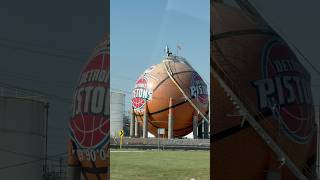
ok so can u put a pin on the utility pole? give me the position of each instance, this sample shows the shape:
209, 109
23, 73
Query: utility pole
46, 106
60, 168
318, 140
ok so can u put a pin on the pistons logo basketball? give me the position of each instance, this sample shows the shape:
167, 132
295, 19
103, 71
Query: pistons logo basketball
141, 94
89, 124
285, 91
198, 89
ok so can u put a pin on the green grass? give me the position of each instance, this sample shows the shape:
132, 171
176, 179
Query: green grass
160, 165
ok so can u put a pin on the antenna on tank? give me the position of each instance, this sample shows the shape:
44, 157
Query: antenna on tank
167, 50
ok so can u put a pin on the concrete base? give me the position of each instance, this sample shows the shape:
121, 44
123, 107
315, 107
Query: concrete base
195, 126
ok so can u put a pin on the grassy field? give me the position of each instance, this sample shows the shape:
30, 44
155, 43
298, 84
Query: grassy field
160, 165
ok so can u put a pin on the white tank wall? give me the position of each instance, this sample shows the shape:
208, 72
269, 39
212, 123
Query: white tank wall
117, 108
21, 138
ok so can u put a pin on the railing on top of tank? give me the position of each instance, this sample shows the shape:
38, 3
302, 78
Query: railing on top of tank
7, 90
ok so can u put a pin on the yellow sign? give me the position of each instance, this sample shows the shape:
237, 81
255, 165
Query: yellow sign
121, 134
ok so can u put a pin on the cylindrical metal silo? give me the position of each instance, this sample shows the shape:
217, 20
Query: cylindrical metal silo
22, 136
117, 106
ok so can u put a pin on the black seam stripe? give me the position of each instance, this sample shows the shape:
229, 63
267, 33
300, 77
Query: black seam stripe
173, 106
235, 129
96, 170
241, 33
164, 109
141, 116
228, 132
162, 81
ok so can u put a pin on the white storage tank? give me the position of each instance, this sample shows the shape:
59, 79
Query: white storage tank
117, 109
22, 135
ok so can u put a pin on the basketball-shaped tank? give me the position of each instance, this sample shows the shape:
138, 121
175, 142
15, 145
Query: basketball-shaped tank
154, 89
263, 72
89, 125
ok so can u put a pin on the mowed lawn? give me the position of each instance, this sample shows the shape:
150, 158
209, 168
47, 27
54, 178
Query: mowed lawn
160, 165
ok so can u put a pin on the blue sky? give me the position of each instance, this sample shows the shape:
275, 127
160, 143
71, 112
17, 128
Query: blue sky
141, 29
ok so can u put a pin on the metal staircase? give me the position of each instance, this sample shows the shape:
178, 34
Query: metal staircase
252, 115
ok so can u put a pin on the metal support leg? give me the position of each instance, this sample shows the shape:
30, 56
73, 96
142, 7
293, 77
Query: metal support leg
206, 130
136, 128
170, 121
145, 123
195, 126
132, 123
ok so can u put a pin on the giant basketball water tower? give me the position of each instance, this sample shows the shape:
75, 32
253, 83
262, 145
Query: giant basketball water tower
171, 96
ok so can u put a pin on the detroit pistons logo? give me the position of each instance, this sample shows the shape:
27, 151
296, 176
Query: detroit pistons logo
141, 94
198, 89
285, 91
89, 124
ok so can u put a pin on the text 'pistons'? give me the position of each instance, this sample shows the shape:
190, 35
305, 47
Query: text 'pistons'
289, 85
92, 95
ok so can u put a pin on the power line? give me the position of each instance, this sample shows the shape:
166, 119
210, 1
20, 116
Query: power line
42, 94
20, 164
18, 153
43, 46
126, 92
28, 78
47, 53
30, 162
13, 87
60, 98
21, 132
122, 77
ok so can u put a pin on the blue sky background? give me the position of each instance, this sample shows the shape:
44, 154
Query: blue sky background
141, 29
